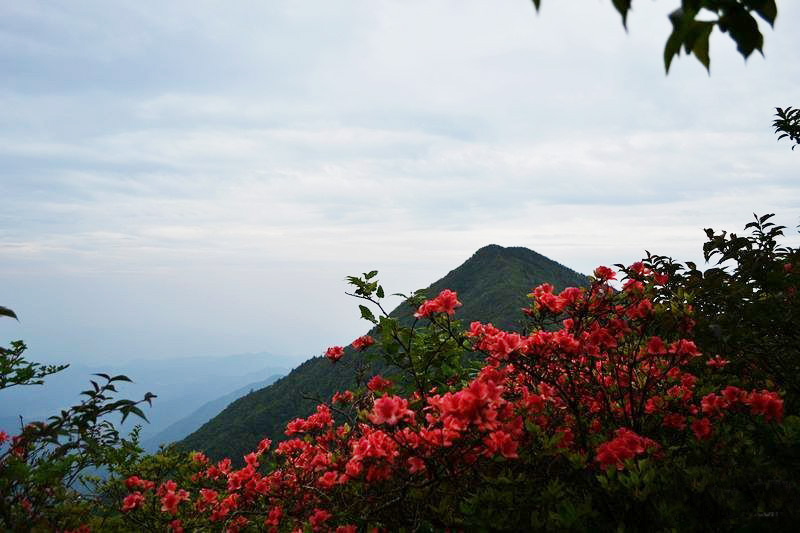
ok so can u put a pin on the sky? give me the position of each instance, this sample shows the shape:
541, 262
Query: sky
193, 178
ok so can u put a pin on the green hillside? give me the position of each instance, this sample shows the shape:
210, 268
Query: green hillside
492, 285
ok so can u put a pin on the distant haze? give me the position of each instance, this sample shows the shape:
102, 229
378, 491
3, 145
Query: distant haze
189, 179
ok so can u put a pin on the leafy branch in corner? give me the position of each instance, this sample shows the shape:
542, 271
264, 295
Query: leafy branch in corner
787, 124
691, 33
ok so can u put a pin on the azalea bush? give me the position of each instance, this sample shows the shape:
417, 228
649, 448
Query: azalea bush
656, 397
607, 413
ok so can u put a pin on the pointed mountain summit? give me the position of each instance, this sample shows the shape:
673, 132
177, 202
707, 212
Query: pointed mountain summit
492, 285
494, 282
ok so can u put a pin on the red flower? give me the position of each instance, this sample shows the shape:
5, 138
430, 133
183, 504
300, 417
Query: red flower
502, 443
318, 518
390, 410
684, 347
674, 421
264, 445
717, 362
445, 302
25, 503
426, 309
734, 394
171, 499
328, 479
199, 458
543, 297
712, 404
655, 346
334, 353
362, 343
135, 482
660, 279
251, 459
639, 268
604, 273
766, 403
701, 427
415, 464
274, 517
132, 501
378, 383
632, 285
342, 397
207, 498
625, 445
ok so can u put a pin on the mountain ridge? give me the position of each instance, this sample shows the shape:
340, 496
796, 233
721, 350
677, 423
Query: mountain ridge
492, 285
194, 420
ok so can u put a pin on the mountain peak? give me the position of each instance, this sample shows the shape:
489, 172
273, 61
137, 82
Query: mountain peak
494, 282
509, 251
492, 286
489, 249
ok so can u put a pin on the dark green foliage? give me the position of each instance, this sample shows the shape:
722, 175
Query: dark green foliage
5, 311
787, 124
42, 463
746, 304
492, 285
737, 18
748, 311
16, 370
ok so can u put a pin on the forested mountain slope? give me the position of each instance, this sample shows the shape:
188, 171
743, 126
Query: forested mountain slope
492, 285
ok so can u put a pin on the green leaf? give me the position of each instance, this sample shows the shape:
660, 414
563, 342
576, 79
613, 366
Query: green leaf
371, 274
743, 29
5, 311
675, 39
135, 410
537, 4
379, 292
367, 314
768, 11
698, 41
623, 6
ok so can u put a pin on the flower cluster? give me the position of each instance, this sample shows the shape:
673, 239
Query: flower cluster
362, 343
609, 385
445, 302
625, 445
334, 353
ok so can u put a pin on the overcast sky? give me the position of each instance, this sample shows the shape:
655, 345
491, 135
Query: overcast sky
197, 178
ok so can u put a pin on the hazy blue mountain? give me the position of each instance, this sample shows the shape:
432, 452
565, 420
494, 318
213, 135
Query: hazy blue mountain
9, 424
192, 422
181, 384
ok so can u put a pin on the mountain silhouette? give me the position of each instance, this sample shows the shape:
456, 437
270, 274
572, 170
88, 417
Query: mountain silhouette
492, 285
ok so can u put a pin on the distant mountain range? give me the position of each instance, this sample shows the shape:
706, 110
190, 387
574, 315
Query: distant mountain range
192, 422
181, 384
492, 285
